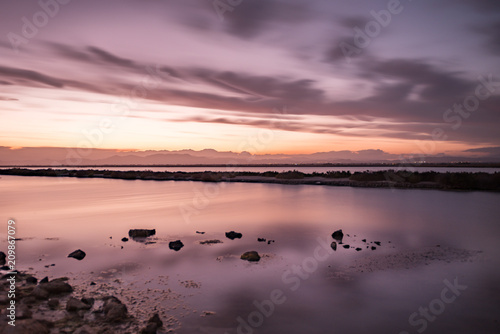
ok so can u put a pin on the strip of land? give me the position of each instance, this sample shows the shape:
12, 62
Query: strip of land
375, 179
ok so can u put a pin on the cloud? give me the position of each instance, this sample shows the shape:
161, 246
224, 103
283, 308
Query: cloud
491, 33
4, 98
252, 18
31, 76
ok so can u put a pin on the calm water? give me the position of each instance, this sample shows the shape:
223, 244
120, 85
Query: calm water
282, 169
55, 216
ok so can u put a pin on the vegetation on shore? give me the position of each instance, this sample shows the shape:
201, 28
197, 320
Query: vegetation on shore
378, 179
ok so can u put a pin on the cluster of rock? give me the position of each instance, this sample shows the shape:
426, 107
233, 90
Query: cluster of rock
339, 236
48, 306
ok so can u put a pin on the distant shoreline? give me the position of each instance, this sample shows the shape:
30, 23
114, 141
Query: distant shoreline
375, 179
336, 165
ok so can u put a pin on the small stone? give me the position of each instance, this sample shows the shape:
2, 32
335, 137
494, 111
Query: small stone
92, 283
141, 233
74, 305
346, 246
251, 256
358, 249
333, 245
151, 328
270, 242
156, 319
377, 243
364, 240
114, 309
78, 254
124, 239
261, 239
2, 258
175, 245
338, 235
233, 235
373, 247
44, 280
31, 280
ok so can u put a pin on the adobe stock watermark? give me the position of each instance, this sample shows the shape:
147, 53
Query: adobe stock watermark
292, 279
223, 6
363, 36
95, 137
453, 118
31, 26
420, 320
252, 144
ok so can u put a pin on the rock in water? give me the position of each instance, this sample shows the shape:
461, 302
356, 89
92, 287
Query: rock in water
233, 235
2, 258
251, 256
261, 239
334, 245
124, 239
346, 246
78, 254
377, 243
141, 233
175, 245
338, 235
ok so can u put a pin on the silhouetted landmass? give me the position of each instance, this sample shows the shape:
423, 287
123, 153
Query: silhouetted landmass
372, 179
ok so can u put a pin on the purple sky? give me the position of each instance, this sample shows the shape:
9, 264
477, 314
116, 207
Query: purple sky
292, 76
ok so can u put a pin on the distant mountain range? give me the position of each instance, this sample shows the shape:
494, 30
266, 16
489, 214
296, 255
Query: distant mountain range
57, 156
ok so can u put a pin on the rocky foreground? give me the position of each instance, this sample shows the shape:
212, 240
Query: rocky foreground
50, 307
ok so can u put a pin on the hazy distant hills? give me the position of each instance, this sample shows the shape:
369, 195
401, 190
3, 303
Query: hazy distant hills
49, 156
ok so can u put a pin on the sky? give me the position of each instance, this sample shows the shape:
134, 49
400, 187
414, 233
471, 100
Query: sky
266, 77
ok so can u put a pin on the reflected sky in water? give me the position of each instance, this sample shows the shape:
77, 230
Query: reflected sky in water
85, 213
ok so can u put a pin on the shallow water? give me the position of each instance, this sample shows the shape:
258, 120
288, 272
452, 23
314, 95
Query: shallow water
315, 289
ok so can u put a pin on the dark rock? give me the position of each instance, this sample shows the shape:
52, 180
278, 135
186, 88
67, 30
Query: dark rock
111, 237
114, 310
2, 258
251, 256
88, 301
233, 235
270, 242
124, 239
261, 239
141, 233
32, 326
23, 312
151, 328
338, 235
346, 246
53, 303
200, 232
377, 243
358, 249
31, 280
4, 268
78, 254
175, 245
364, 240
44, 280
92, 283
333, 245
373, 247
75, 305
40, 293
156, 320
56, 286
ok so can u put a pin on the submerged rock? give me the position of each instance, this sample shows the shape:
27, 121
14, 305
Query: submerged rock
175, 245
251, 256
210, 242
333, 245
78, 254
141, 233
233, 235
338, 235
